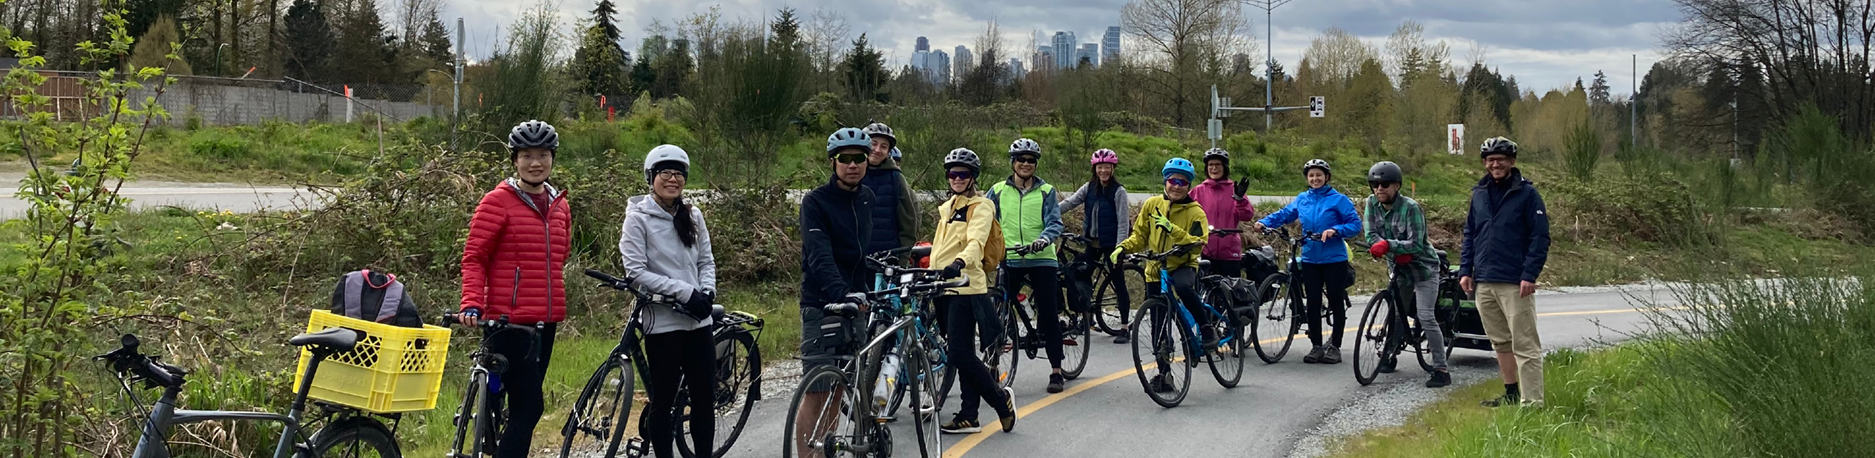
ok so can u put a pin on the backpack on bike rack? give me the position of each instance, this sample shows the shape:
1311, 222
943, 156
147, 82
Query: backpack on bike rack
377, 297
1079, 284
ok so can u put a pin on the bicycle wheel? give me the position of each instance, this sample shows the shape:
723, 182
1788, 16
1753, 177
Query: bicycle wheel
1002, 354
1275, 320
1227, 361
1075, 336
1106, 302
468, 419
355, 437
1161, 346
596, 426
738, 376
921, 383
1370, 339
819, 421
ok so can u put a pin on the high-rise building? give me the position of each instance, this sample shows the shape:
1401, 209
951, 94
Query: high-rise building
921, 60
1043, 59
964, 61
923, 44
1089, 54
1064, 45
940, 73
1015, 69
1110, 44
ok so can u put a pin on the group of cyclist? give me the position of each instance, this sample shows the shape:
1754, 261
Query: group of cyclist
519, 239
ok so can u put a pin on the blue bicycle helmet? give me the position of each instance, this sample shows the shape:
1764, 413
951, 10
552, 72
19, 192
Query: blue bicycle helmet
1179, 165
848, 138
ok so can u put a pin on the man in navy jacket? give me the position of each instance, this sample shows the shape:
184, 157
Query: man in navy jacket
1506, 244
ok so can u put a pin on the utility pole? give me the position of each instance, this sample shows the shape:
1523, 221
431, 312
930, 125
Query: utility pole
1269, 63
455, 107
1220, 108
1634, 102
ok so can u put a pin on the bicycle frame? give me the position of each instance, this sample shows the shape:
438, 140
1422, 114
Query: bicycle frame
164, 416
1185, 318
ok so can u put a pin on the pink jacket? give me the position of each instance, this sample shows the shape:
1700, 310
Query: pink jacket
1223, 210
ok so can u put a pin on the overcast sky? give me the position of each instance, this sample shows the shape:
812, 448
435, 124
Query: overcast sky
1545, 44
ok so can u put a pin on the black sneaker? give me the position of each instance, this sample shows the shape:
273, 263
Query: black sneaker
1121, 339
1506, 400
1388, 365
1440, 379
1056, 383
1161, 383
1331, 355
959, 425
1008, 414
1314, 356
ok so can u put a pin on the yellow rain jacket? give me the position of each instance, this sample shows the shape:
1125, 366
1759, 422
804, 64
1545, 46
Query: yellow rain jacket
963, 226
1149, 237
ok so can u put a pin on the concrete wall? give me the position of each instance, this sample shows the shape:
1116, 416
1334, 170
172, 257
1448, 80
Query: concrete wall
227, 105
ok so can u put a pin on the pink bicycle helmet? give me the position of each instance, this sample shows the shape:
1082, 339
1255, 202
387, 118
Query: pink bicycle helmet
1104, 156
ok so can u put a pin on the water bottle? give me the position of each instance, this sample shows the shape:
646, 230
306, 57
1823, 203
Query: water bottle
888, 378
494, 383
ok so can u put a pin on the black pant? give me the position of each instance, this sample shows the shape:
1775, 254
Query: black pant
690, 355
1227, 268
1045, 289
964, 314
1185, 284
1119, 282
521, 385
1335, 278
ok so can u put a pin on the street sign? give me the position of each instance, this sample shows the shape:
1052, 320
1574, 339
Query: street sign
1215, 129
1455, 139
1318, 106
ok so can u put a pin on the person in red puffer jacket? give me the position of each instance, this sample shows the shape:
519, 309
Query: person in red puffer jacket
511, 266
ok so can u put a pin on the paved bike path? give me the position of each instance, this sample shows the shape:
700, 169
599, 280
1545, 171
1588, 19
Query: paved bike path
1106, 413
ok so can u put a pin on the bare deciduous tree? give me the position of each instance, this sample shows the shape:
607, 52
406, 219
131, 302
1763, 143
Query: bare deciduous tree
1181, 46
1337, 55
1811, 51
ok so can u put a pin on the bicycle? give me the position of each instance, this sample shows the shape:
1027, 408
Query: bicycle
923, 329
344, 431
1107, 277
857, 426
478, 420
1021, 316
1280, 302
596, 425
1376, 341
1167, 342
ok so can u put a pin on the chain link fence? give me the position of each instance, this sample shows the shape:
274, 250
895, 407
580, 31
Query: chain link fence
235, 101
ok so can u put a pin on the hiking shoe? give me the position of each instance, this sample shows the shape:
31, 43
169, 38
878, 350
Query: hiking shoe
1331, 355
1056, 383
1388, 365
1507, 399
1162, 384
1121, 339
1439, 379
1314, 356
959, 425
1008, 413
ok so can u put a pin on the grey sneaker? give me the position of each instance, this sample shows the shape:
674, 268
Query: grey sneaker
1331, 355
1314, 356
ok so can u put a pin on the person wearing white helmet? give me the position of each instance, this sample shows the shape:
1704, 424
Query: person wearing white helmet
1327, 216
666, 245
1030, 216
835, 225
894, 213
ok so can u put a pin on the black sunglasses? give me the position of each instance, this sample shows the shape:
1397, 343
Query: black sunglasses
957, 175
1025, 159
850, 158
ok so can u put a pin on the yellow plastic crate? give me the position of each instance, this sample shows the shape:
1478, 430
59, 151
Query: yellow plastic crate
393, 369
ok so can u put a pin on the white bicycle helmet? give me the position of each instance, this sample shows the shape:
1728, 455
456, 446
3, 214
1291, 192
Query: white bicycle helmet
1317, 164
663, 157
1025, 146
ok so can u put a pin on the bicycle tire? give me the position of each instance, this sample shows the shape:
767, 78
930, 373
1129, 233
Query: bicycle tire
823, 431
348, 439
1076, 335
1276, 313
1227, 363
467, 419
921, 382
738, 376
1174, 341
1109, 317
596, 425
1002, 354
1370, 339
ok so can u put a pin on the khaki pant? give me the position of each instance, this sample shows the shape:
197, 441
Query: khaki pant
1510, 321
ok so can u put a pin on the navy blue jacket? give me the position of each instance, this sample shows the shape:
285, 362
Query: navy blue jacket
1506, 232
835, 225
894, 221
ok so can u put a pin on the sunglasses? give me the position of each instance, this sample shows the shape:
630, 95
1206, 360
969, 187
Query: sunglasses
850, 158
1180, 182
1025, 159
956, 175
1380, 185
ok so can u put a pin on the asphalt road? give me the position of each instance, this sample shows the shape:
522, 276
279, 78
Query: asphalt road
1106, 413
239, 198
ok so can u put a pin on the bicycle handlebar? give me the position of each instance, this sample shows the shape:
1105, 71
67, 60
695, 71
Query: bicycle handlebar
128, 359
1175, 251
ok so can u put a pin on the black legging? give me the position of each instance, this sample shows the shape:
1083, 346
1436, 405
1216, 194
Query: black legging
521, 385
1226, 268
692, 356
963, 316
1335, 277
1185, 284
1119, 283
1045, 289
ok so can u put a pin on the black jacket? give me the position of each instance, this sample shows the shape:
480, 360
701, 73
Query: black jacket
1506, 238
835, 227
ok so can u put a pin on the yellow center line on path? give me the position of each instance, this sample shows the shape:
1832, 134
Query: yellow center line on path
970, 442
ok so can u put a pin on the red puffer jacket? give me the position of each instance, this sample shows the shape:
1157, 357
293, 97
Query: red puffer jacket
509, 237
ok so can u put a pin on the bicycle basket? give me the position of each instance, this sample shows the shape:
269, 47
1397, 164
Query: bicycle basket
393, 369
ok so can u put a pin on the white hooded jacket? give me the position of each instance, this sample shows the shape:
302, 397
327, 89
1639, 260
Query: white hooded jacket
663, 265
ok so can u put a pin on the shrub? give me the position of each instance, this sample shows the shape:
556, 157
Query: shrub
1652, 208
221, 149
1583, 151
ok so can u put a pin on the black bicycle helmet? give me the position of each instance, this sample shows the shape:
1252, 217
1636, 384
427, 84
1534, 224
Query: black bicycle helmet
1498, 145
1385, 172
533, 134
964, 157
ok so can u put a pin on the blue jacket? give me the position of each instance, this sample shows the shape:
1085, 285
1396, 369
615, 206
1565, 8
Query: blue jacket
1321, 209
835, 224
1506, 232
894, 215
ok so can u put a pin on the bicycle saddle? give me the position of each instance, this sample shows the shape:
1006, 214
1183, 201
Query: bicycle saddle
717, 311
335, 339
920, 251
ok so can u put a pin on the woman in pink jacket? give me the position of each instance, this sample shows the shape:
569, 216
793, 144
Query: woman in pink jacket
1225, 208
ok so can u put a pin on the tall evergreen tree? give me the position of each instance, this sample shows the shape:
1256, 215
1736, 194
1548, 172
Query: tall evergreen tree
600, 64
364, 52
435, 44
865, 71
309, 41
1598, 90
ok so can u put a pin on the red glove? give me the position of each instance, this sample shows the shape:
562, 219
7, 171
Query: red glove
1403, 259
1379, 248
